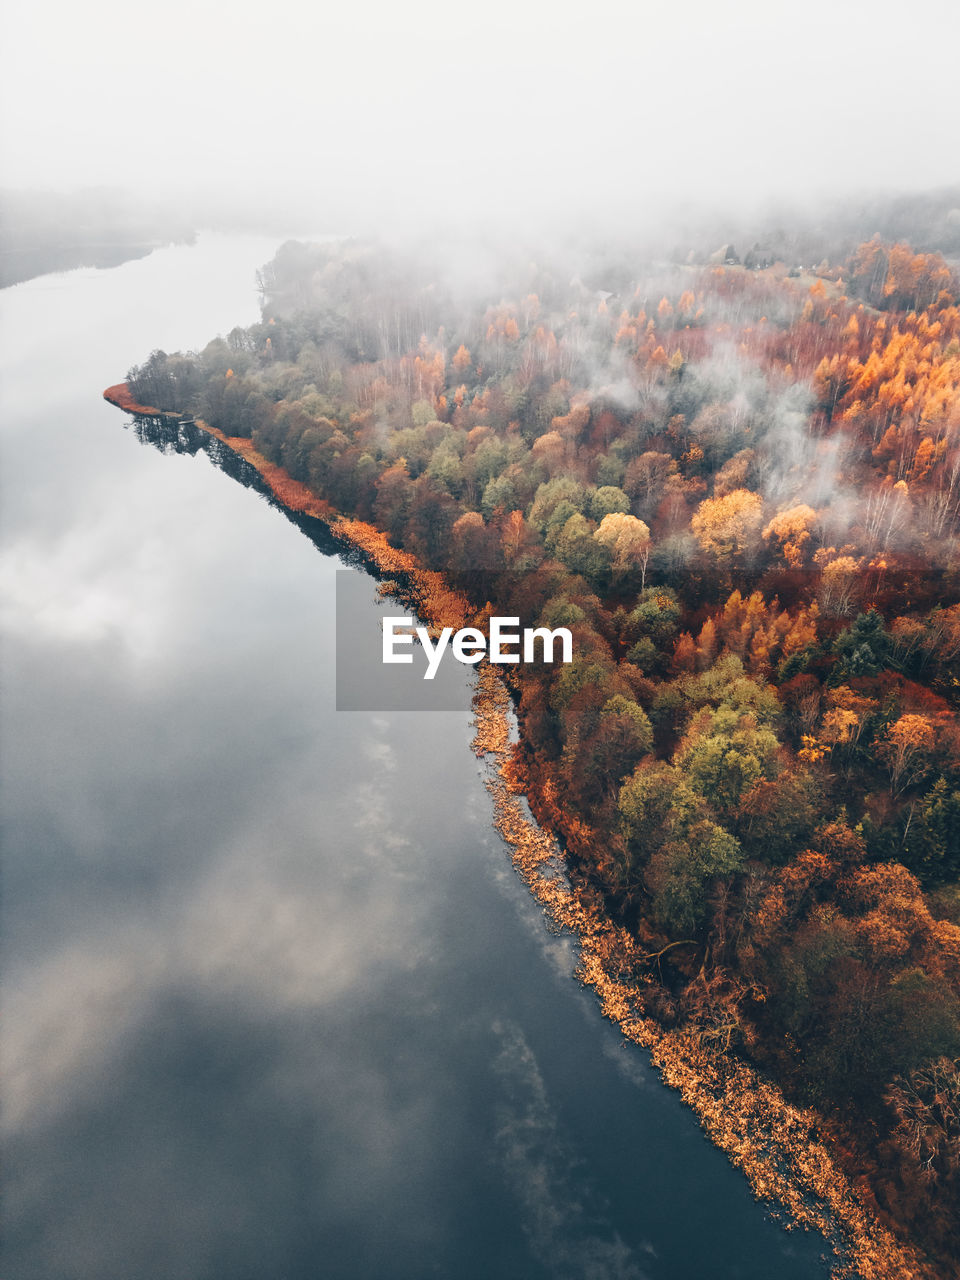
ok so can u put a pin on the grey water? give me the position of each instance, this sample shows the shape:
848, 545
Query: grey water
275, 1005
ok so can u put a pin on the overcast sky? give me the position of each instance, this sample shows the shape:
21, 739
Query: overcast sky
429, 108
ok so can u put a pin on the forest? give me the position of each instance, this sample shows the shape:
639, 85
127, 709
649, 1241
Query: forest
737, 483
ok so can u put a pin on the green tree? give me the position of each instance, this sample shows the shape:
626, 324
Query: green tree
862, 649
549, 495
683, 871
724, 753
608, 500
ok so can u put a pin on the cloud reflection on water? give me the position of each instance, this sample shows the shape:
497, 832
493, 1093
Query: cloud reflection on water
255, 950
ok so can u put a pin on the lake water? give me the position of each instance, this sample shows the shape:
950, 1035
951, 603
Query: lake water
276, 1006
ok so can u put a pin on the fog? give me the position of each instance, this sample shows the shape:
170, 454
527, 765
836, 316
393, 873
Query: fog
358, 117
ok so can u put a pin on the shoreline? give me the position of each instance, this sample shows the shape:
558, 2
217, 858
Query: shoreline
745, 1115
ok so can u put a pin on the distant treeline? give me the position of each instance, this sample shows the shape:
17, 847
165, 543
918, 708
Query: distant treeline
45, 232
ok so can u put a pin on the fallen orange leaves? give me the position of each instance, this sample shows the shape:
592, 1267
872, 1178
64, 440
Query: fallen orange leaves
746, 1116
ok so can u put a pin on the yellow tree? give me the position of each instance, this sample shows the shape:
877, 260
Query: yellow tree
791, 529
910, 740
629, 540
727, 526
840, 585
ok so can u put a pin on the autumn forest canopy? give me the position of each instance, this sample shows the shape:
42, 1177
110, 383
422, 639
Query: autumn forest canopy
736, 480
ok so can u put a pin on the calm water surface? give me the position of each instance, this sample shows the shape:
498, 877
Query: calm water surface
275, 1005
